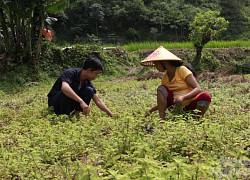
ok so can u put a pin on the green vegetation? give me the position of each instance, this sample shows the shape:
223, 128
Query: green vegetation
21, 28
228, 44
137, 20
36, 144
136, 46
206, 27
25, 26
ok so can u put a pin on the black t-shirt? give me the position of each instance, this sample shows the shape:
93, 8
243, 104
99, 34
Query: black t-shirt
72, 77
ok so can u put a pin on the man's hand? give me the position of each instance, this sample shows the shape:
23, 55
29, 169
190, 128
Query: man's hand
85, 108
68, 91
110, 114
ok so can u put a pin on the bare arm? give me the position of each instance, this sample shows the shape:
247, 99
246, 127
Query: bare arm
154, 108
68, 91
192, 82
148, 112
101, 105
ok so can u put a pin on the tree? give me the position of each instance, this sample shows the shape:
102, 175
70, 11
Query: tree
237, 13
97, 14
127, 14
172, 16
160, 14
180, 16
22, 23
205, 27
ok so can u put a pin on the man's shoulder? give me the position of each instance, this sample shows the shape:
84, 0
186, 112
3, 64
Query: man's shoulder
72, 71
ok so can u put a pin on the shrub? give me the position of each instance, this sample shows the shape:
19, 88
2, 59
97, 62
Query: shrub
208, 63
132, 34
242, 67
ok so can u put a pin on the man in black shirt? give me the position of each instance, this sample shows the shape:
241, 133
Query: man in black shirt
73, 90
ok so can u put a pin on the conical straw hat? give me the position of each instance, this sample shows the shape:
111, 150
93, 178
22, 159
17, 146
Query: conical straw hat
160, 54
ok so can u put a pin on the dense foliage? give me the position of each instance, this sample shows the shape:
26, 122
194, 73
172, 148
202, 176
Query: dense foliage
36, 144
21, 27
119, 61
205, 27
145, 20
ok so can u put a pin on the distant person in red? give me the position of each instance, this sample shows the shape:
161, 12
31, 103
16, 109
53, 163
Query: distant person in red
47, 34
178, 86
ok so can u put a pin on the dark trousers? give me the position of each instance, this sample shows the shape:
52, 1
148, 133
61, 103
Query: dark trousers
62, 104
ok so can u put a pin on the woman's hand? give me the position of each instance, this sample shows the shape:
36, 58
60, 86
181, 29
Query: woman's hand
148, 112
179, 99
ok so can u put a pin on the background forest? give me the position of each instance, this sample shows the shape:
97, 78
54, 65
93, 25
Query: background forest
137, 20
23, 23
120, 21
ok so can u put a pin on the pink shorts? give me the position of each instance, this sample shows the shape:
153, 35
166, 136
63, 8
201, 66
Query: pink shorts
202, 99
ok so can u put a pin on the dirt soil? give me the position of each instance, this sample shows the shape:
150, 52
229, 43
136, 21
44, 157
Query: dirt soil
222, 54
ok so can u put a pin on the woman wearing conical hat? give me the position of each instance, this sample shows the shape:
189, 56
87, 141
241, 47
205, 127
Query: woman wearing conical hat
178, 86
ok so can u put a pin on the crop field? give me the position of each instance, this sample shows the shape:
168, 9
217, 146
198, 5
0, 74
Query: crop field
135, 46
36, 144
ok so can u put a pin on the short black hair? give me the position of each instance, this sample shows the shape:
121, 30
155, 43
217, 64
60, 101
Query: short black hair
93, 63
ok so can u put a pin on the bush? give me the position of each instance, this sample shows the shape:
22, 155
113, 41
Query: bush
55, 59
132, 34
242, 67
15, 79
208, 62
154, 33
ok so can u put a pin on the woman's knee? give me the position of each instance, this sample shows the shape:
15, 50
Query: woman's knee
204, 96
203, 102
162, 90
165, 94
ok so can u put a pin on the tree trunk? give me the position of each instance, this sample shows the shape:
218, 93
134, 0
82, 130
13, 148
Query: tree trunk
5, 30
39, 40
39, 44
198, 55
96, 26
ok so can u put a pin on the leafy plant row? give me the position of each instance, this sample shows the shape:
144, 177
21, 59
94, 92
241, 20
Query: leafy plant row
36, 144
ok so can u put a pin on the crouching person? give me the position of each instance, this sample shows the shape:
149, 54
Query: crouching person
178, 86
73, 90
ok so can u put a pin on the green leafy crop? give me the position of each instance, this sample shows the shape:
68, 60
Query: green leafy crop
36, 144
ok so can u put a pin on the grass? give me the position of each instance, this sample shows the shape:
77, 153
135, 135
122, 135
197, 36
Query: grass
184, 45
36, 144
